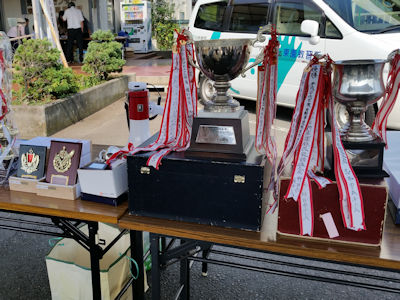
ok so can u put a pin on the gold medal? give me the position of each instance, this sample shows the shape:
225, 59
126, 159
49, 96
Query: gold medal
63, 160
29, 161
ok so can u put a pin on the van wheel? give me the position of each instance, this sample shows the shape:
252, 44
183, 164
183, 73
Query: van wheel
206, 89
342, 116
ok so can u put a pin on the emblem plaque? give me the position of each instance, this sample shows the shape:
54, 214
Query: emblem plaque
32, 161
63, 163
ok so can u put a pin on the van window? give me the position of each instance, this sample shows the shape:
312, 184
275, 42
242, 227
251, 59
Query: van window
369, 15
331, 32
211, 16
249, 18
288, 17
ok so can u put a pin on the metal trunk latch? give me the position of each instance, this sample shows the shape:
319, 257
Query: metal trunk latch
145, 170
239, 179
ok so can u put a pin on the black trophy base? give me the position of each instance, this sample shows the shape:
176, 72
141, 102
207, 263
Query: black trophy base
203, 191
225, 136
366, 158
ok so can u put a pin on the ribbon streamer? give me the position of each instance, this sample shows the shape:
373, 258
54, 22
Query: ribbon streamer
180, 108
266, 109
389, 98
304, 145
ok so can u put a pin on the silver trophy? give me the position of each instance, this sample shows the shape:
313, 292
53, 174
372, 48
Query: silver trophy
358, 84
222, 129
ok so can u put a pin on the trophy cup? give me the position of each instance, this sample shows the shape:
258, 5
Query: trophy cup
358, 84
222, 129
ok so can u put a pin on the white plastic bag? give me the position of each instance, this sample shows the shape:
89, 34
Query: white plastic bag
68, 267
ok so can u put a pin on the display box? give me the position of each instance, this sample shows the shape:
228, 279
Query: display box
106, 183
219, 193
21, 184
326, 200
69, 192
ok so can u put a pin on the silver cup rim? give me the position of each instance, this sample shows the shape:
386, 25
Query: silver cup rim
360, 62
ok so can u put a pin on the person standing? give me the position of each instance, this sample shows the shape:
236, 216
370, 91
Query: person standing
74, 18
17, 31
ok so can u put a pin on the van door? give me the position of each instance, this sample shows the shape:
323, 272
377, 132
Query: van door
295, 47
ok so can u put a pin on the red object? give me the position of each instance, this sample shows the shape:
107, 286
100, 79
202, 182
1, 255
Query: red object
138, 105
327, 200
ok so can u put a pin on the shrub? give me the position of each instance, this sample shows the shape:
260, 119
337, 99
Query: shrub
39, 73
163, 25
103, 56
102, 35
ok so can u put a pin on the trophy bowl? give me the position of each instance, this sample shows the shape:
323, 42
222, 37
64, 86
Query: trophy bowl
358, 84
222, 61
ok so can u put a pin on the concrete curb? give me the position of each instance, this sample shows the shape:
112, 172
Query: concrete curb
45, 120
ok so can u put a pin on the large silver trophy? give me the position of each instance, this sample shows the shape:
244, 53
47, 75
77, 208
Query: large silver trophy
358, 84
222, 129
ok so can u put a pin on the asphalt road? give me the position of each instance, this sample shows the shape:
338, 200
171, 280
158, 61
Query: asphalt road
23, 272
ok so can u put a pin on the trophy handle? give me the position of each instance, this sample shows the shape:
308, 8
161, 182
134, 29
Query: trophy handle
190, 41
259, 39
392, 54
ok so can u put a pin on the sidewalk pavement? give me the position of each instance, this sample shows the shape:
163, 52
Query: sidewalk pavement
109, 126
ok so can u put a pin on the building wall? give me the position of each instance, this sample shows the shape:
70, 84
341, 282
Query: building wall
12, 9
183, 9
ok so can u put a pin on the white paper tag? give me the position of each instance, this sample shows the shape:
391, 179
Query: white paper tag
330, 225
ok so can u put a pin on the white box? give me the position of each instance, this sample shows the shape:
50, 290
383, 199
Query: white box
69, 192
21, 184
86, 153
391, 164
106, 183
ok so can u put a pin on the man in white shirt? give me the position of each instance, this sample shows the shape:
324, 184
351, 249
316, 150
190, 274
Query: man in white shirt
74, 19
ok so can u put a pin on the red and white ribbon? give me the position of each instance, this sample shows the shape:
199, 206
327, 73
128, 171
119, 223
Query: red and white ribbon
305, 146
389, 98
4, 106
180, 108
266, 109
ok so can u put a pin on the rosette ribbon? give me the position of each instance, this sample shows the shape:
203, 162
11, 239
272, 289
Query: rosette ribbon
390, 96
180, 108
304, 145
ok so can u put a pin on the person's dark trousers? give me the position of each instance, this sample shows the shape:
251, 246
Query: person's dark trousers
74, 34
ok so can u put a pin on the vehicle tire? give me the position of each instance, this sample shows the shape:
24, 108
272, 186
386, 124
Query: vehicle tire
206, 89
342, 116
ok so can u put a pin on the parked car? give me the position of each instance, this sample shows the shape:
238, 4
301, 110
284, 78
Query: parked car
345, 29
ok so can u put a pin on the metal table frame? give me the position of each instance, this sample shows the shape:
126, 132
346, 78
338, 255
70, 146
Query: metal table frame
188, 251
70, 228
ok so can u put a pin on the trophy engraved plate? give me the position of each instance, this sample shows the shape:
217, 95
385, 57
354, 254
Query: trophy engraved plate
59, 179
212, 134
63, 160
30, 162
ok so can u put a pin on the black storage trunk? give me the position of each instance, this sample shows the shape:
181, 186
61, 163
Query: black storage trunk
220, 193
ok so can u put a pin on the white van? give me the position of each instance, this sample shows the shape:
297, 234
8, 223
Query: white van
345, 29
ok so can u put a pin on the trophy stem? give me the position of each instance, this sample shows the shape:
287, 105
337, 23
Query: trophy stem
221, 101
357, 130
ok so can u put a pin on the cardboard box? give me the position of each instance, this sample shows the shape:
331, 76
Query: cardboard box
326, 200
105, 183
46, 141
21, 184
69, 192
